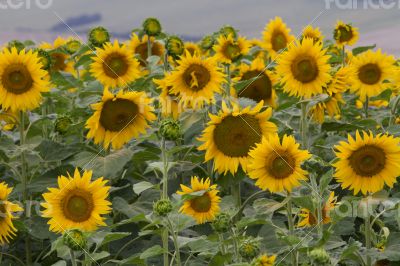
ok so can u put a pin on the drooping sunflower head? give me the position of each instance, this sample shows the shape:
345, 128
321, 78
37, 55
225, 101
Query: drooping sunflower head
139, 47
72, 46
313, 33
114, 65
195, 80
22, 80
77, 203
276, 165
119, 118
310, 219
98, 36
276, 37
369, 72
169, 102
339, 82
192, 48
175, 46
228, 49
207, 42
228, 30
367, 162
304, 69
345, 34
331, 106
230, 135
202, 208
44, 58
60, 60
7, 215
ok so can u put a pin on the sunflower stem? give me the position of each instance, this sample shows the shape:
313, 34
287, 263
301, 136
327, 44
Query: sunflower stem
366, 106
304, 125
165, 234
316, 195
367, 226
176, 243
293, 252
73, 259
148, 46
228, 78
344, 55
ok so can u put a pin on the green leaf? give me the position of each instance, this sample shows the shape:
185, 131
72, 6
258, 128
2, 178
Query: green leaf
138, 188
152, 252
384, 96
362, 49
52, 151
102, 238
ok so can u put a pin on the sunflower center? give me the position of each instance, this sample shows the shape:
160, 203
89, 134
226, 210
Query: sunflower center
201, 203
141, 50
281, 165
196, 77
117, 114
78, 205
16, 79
368, 160
115, 65
231, 51
59, 61
278, 41
259, 89
236, 135
345, 34
370, 74
305, 69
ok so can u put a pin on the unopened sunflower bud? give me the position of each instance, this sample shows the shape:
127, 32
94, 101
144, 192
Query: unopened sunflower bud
75, 239
222, 223
319, 256
207, 42
45, 59
17, 44
228, 30
62, 124
98, 36
175, 46
152, 26
72, 46
249, 248
170, 129
162, 207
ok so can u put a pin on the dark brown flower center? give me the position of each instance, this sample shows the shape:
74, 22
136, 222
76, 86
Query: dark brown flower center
78, 205
236, 135
305, 69
141, 50
278, 41
231, 51
117, 114
115, 65
17, 79
281, 166
259, 89
201, 203
196, 77
59, 61
368, 160
344, 34
370, 74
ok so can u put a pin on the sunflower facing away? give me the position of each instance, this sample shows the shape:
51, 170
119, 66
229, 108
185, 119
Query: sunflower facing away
7, 210
310, 219
304, 69
22, 81
313, 33
202, 208
169, 102
228, 49
139, 47
77, 203
367, 163
369, 73
195, 80
345, 34
114, 65
59, 59
276, 37
119, 118
276, 165
230, 135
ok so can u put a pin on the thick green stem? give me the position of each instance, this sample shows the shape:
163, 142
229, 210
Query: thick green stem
293, 252
176, 243
73, 259
317, 197
222, 244
236, 193
344, 55
304, 125
368, 228
366, 106
164, 195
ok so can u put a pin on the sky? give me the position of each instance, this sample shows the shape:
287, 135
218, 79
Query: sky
45, 19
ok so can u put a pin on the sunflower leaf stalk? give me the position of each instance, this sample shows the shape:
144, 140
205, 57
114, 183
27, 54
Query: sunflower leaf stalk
164, 196
304, 125
367, 225
293, 253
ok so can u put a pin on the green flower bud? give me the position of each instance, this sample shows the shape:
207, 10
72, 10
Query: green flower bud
228, 30
170, 129
175, 46
162, 207
249, 248
72, 46
17, 44
62, 124
207, 42
319, 256
222, 223
45, 59
152, 26
98, 36
75, 239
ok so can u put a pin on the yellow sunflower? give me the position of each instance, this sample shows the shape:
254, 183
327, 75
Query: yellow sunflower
261, 88
60, 60
195, 80
345, 34
310, 219
8, 120
202, 208
264, 260
119, 118
276, 37
228, 49
7, 210
231, 134
77, 203
367, 163
304, 69
169, 102
139, 47
376, 103
370, 72
22, 81
114, 65
313, 33
192, 48
331, 106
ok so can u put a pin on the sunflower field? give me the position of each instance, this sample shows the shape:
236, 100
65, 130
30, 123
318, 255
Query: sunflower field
282, 150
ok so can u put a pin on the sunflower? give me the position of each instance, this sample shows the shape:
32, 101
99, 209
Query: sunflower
264, 260
370, 72
231, 134
22, 81
169, 102
195, 80
262, 88
276, 37
228, 49
7, 210
139, 47
77, 203
310, 219
331, 106
114, 65
367, 163
202, 208
60, 61
313, 33
276, 165
345, 34
304, 69
8, 120
119, 118
192, 48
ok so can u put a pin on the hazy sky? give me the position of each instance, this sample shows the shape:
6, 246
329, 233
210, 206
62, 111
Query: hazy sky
195, 18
